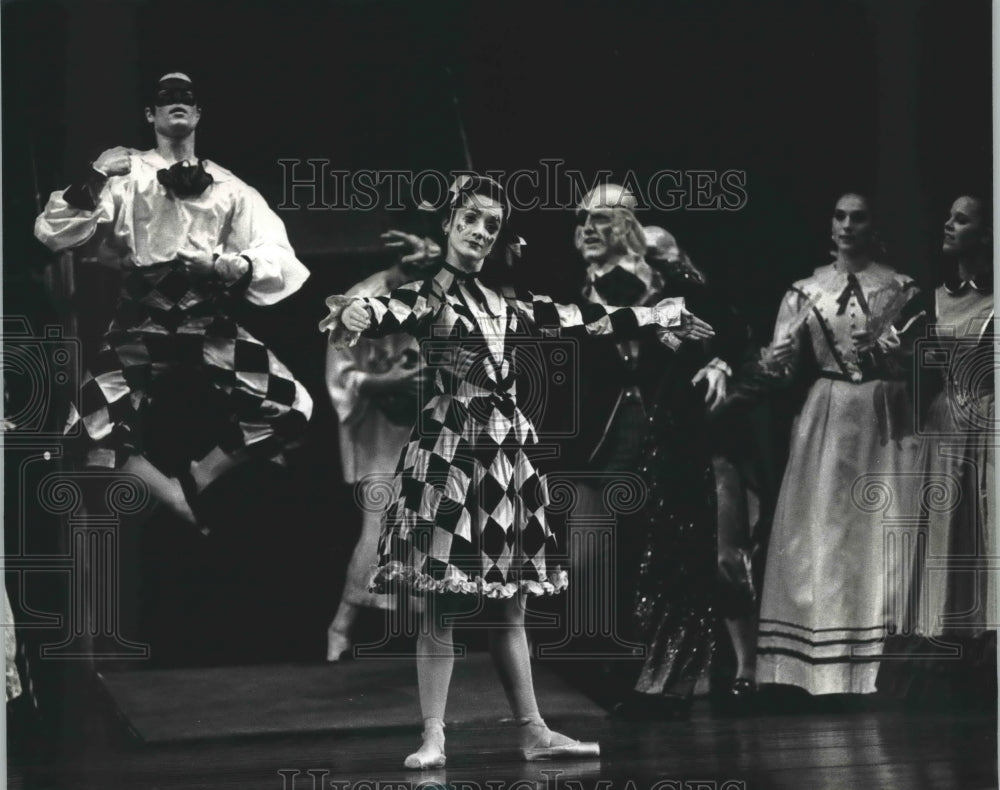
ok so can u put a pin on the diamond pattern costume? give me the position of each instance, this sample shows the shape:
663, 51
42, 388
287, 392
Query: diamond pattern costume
466, 509
167, 318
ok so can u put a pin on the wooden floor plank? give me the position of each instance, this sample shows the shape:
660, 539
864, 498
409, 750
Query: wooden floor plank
826, 750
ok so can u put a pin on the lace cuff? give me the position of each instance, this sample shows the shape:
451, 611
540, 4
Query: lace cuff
669, 339
340, 336
665, 314
720, 364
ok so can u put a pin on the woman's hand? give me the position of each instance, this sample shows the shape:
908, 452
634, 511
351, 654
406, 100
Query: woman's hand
782, 352
692, 327
356, 317
413, 249
716, 378
863, 341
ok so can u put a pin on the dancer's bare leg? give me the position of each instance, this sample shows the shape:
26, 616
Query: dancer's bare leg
166, 490
512, 659
435, 661
214, 465
338, 635
355, 595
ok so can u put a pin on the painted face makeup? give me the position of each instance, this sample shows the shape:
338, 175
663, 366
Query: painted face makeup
475, 227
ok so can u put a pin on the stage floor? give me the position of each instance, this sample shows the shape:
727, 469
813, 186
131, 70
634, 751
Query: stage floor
352, 696
890, 748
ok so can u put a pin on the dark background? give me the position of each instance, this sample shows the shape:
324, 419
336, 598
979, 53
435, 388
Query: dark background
809, 99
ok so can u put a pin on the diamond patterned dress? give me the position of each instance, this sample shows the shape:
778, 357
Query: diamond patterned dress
466, 507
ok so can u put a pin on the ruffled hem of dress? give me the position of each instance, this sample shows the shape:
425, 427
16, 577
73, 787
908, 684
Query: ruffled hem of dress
340, 336
396, 573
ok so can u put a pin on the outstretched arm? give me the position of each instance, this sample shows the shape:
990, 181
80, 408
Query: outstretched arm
406, 309
589, 318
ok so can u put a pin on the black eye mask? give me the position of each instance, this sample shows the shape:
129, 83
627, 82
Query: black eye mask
185, 180
175, 92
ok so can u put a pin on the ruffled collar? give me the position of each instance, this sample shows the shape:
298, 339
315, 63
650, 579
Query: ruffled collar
873, 277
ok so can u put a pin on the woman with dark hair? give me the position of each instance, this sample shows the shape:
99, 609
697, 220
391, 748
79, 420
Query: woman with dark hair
466, 513
955, 593
825, 609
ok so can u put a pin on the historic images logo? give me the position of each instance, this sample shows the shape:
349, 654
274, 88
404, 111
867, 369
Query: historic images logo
314, 185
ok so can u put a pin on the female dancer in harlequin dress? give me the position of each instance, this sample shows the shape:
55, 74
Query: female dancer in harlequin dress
467, 516
825, 609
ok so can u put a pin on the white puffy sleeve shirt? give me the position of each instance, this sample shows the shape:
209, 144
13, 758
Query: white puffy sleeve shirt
149, 225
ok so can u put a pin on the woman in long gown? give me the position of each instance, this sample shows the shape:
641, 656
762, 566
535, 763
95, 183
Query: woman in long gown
958, 432
825, 611
954, 653
466, 515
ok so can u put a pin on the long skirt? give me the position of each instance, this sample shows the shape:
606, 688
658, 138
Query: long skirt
955, 591
837, 560
950, 653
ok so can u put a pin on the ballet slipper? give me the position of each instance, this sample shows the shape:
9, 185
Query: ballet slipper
337, 644
431, 752
538, 742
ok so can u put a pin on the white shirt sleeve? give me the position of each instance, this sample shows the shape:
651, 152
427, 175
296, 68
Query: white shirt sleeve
61, 226
259, 234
